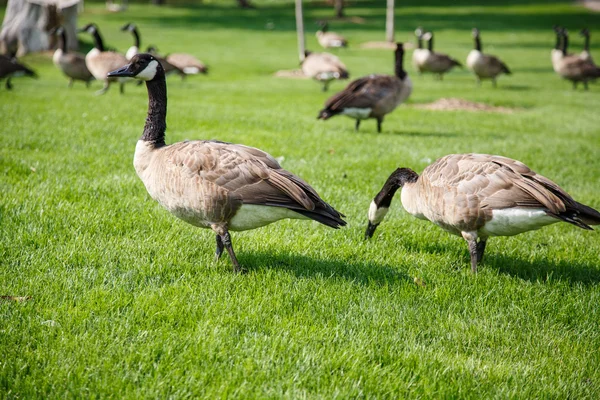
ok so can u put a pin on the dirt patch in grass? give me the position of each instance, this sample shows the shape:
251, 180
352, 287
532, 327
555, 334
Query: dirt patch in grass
454, 104
385, 45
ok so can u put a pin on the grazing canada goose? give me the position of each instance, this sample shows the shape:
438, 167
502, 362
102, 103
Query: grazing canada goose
10, 68
70, 63
187, 63
585, 54
212, 184
323, 67
484, 66
372, 96
135, 49
101, 62
330, 39
479, 195
437, 63
420, 54
575, 69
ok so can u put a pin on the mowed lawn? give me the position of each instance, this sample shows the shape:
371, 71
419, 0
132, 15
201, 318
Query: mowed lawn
122, 300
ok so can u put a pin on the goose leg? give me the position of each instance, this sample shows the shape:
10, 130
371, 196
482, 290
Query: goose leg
471, 238
379, 121
481, 249
219, 247
585, 85
104, 89
70, 85
325, 85
357, 125
8, 84
87, 84
223, 235
122, 87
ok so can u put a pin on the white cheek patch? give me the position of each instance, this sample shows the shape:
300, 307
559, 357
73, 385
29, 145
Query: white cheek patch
376, 215
148, 73
358, 113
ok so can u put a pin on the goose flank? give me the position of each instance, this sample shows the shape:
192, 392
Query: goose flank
330, 39
324, 68
484, 66
437, 63
10, 68
372, 96
71, 64
211, 184
477, 196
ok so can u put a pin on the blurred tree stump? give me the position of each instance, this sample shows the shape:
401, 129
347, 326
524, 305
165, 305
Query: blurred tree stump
27, 22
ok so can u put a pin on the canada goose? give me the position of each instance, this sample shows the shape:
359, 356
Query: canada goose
71, 64
575, 69
187, 63
133, 50
101, 62
556, 54
437, 63
479, 195
10, 67
484, 66
212, 184
330, 39
372, 96
420, 54
585, 54
323, 67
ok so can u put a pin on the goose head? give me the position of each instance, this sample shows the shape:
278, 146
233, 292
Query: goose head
143, 66
475, 32
381, 203
585, 32
129, 27
89, 28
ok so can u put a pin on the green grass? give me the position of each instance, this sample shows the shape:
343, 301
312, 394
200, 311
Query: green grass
127, 301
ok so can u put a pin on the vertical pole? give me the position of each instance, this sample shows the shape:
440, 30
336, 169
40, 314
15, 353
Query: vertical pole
389, 21
300, 29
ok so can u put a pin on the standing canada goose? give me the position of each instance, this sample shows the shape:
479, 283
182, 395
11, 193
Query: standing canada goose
479, 195
420, 54
330, 39
212, 184
484, 66
585, 54
323, 67
437, 63
11, 68
556, 54
372, 96
135, 49
575, 69
70, 63
187, 63
101, 62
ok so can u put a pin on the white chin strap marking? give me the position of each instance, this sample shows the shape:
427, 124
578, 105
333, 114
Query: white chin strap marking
149, 72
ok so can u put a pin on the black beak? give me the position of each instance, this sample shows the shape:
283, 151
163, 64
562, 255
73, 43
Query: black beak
123, 71
370, 230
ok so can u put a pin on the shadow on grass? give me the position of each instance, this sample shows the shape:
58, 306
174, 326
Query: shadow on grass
301, 266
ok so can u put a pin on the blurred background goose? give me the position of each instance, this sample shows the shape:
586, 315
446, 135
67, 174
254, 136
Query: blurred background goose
187, 63
556, 53
324, 68
477, 196
420, 54
436, 63
10, 68
330, 39
100, 62
212, 184
135, 49
484, 66
585, 54
574, 68
72, 64
372, 96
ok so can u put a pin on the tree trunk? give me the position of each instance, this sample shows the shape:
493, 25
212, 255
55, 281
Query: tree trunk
339, 8
389, 21
300, 30
26, 25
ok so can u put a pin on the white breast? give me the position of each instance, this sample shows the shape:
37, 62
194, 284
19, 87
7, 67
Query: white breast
251, 216
474, 58
512, 221
358, 113
132, 51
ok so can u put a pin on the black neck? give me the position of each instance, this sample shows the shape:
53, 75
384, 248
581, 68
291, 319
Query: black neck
477, 43
136, 36
557, 44
325, 27
565, 44
400, 72
586, 43
420, 42
98, 40
396, 180
430, 43
156, 121
63, 37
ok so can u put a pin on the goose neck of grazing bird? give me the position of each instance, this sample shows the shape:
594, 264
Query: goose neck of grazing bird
558, 42
63, 39
98, 43
565, 43
156, 121
430, 42
586, 42
136, 37
477, 43
381, 203
400, 72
